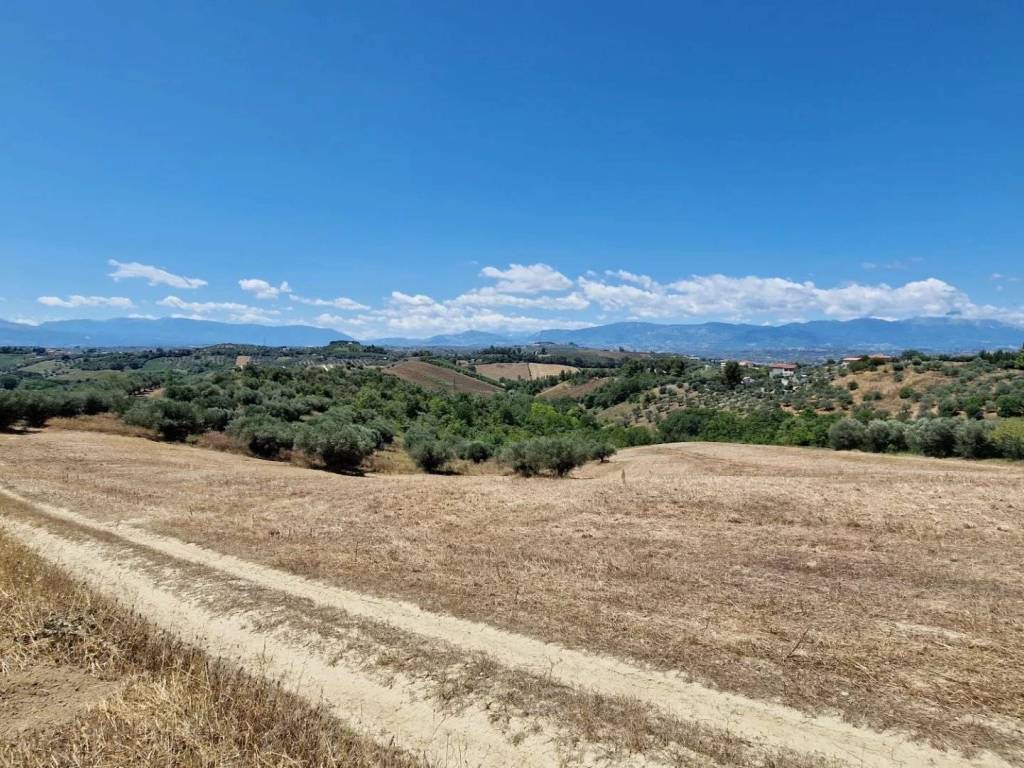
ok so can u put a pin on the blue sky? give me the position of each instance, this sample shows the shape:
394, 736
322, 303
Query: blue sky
409, 168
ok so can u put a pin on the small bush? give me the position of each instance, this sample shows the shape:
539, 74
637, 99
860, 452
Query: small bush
847, 435
558, 455
264, 435
600, 450
9, 410
974, 440
216, 419
933, 437
1010, 405
522, 457
430, 453
171, 419
885, 436
1008, 438
475, 451
340, 447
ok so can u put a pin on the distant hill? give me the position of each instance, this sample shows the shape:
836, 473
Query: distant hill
822, 337
798, 340
468, 339
161, 332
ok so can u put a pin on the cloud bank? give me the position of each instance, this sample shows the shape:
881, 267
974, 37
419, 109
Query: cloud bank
533, 297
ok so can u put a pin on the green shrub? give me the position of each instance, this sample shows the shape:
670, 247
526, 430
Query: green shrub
884, 436
171, 419
1010, 405
684, 425
974, 440
430, 455
9, 410
475, 451
1008, 438
264, 435
847, 435
558, 455
216, 419
384, 431
37, 408
600, 450
338, 446
522, 458
933, 437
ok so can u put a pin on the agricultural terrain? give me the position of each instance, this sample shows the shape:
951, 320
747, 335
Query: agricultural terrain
680, 604
430, 376
523, 371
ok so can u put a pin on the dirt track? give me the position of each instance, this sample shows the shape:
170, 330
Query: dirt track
287, 626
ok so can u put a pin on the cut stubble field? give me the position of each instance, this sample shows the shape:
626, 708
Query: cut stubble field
888, 591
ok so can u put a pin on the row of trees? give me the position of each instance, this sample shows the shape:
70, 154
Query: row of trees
939, 437
35, 408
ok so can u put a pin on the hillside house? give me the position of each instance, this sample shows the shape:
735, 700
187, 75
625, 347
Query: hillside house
781, 370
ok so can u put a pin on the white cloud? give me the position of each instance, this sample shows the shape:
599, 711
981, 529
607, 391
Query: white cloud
262, 289
339, 303
533, 278
419, 300
419, 315
237, 313
490, 297
76, 300
752, 298
155, 275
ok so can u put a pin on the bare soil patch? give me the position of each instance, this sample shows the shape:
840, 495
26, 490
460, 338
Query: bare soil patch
574, 391
437, 377
45, 696
777, 573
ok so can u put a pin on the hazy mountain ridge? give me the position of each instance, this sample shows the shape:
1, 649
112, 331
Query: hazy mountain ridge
816, 337
161, 332
821, 337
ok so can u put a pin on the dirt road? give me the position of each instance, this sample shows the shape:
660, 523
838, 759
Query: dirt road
454, 691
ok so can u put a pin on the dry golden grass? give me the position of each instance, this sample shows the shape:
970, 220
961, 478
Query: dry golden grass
86, 684
106, 423
890, 589
884, 382
520, 371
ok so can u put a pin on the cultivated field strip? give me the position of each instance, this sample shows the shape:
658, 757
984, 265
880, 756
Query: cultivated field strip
768, 725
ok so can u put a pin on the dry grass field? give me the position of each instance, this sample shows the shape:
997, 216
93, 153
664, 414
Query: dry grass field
437, 377
521, 371
886, 590
83, 682
570, 390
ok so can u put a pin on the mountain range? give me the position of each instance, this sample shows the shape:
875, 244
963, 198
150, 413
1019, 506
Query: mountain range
798, 340
161, 332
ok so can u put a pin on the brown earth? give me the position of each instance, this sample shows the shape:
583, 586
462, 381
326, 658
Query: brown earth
574, 391
887, 589
437, 377
521, 371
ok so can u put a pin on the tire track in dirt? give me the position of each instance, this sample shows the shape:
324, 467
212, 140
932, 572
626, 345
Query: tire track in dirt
396, 711
767, 724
